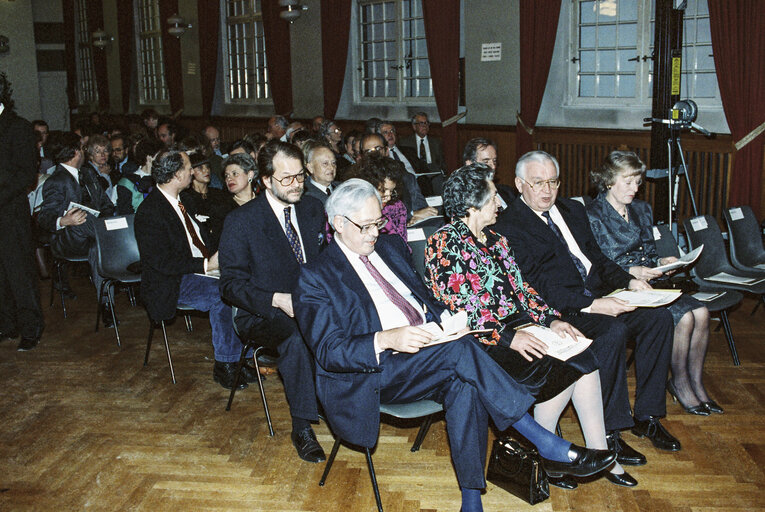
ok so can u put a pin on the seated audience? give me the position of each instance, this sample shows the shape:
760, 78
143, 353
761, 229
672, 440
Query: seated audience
174, 253
330, 133
300, 137
484, 151
622, 226
428, 148
277, 128
119, 160
361, 307
471, 268
133, 188
99, 150
385, 174
322, 167
240, 173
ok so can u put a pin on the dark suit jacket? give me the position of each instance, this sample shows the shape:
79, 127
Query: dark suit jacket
17, 167
61, 189
437, 162
339, 320
165, 255
545, 261
256, 259
313, 191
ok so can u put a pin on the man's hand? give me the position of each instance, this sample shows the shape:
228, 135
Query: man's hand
610, 306
419, 215
74, 217
212, 262
639, 284
283, 301
564, 329
527, 346
408, 339
644, 273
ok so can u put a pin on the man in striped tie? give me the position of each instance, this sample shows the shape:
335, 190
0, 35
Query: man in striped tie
263, 245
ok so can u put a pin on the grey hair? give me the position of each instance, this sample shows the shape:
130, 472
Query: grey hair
348, 198
540, 157
423, 114
467, 187
282, 122
310, 147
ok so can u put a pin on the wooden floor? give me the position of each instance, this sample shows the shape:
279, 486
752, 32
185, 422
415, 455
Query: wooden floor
86, 427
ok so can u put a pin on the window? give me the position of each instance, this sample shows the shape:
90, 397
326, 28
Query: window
87, 94
612, 44
152, 88
392, 52
246, 72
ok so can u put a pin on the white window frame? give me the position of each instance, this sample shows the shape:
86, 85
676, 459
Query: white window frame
643, 68
87, 91
400, 61
253, 79
152, 83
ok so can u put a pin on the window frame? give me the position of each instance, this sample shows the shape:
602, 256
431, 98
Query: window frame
87, 89
161, 96
256, 18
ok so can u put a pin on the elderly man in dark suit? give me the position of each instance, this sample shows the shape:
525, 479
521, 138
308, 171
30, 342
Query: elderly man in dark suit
263, 245
558, 254
73, 230
20, 312
321, 164
173, 255
361, 307
428, 148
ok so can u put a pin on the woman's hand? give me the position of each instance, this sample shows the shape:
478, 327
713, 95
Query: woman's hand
528, 346
644, 273
563, 329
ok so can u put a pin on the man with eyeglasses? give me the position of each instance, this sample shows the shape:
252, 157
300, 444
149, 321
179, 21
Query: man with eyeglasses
428, 148
362, 308
263, 245
558, 254
484, 151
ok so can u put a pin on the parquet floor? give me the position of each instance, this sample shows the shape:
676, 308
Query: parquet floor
86, 427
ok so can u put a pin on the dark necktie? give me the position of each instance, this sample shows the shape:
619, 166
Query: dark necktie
190, 228
423, 153
411, 314
577, 262
395, 155
292, 236
329, 190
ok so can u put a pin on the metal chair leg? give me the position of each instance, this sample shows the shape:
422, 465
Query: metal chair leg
331, 459
374, 480
729, 336
131, 295
238, 375
422, 433
262, 391
167, 350
110, 298
148, 342
53, 281
189, 325
100, 298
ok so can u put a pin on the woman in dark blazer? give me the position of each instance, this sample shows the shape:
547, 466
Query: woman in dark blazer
623, 227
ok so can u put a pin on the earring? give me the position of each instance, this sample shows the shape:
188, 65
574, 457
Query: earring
249, 180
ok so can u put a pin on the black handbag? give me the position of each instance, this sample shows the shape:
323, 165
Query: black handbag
518, 470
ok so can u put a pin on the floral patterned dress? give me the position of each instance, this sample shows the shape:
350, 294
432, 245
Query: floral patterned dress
486, 282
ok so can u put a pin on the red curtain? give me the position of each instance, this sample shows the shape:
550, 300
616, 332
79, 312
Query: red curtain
335, 30
171, 48
96, 22
538, 26
125, 40
70, 54
442, 28
277, 35
738, 43
208, 13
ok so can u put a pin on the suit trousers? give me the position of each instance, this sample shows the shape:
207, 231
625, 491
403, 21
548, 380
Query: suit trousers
471, 387
202, 293
19, 290
652, 330
79, 241
295, 361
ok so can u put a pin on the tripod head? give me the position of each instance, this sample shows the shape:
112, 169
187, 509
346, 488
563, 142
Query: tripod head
682, 116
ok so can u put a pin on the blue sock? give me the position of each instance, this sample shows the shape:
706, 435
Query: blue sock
548, 444
471, 500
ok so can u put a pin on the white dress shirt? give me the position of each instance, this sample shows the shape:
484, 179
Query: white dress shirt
404, 160
278, 209
195, 252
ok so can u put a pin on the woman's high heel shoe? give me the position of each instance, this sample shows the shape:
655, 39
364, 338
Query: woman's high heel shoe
698, 410
713, 406
624, 479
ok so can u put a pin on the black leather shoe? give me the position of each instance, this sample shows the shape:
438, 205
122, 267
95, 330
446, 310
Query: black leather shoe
564, 482
586, 462
698, 410
250, 374
225, 375
625, 479
625, 454
268, 358
655, 431
307, 446
713, 406
28, 344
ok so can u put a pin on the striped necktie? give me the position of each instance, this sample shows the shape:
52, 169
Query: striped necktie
292, 236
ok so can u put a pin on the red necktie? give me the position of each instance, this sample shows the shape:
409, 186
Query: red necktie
411, 314
190, 228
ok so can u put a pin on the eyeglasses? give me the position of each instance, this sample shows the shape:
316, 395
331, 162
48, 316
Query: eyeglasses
381, 223
375, 149
388, 132
289, 180
540, 185
422, 123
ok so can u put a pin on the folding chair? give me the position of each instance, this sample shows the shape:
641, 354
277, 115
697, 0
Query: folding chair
153, 325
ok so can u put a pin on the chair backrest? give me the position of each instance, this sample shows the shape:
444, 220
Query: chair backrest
418, 256
704, 230
117, 246
666, 245
746, 249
